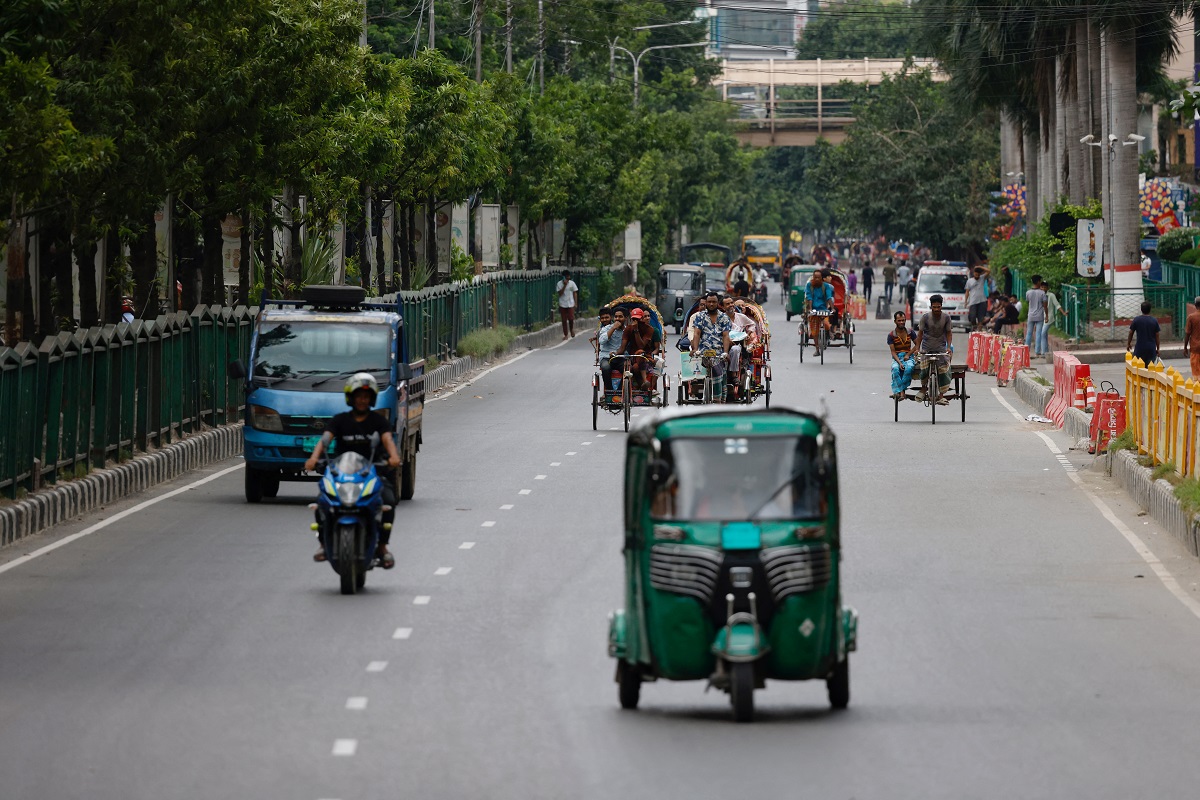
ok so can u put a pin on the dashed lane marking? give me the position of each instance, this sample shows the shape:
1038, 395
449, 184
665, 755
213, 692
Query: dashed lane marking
421, 600
585, 443
466, 545
491, 523
402, 633
556, 463
377, 666
506, 507
356, 704
525, 491
345, 747
442, 571
539, 477
1152, 561
572, 453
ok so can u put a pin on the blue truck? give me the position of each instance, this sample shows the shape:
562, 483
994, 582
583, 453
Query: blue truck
301, 353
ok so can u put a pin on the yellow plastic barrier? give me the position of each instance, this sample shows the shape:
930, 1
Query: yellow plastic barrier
1163, 411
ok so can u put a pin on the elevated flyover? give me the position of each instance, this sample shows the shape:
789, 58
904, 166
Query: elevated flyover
768, 114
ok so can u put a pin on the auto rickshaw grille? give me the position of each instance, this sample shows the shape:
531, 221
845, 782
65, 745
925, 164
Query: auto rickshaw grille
796, 569
685, 569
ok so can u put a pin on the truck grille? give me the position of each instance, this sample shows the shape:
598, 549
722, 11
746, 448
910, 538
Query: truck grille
685, 569
304, 425
795, 569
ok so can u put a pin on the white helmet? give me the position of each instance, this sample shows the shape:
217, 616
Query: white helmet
361, 380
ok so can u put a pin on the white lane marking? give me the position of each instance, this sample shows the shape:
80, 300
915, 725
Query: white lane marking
539, 477
525, 491
402, 633
421, 600
377, 666
614, 429
41, 551
345, 747
506, 507
466, 545
601, 435
442, 571
356, 703
556, 463
457, 389
585, 443
571, 453
1152, 561
491, 523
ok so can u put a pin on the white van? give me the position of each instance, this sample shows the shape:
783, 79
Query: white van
949, 279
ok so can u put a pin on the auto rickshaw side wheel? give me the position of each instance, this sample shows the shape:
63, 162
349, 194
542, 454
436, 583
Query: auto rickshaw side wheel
789, 316
629, 684
595, 404
741, 691
838, 684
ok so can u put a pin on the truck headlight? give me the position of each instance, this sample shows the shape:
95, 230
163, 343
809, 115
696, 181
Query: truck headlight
349, 493
265, 419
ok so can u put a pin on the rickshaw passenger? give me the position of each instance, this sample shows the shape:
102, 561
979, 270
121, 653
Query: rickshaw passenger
818, 296
640, 338
607, 342
740, 324
901, 341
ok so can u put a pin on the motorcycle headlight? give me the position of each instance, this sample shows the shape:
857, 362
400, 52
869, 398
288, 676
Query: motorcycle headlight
265, 419
349, 493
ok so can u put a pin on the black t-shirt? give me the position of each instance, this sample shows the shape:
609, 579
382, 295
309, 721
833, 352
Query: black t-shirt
1144, 327
363, 438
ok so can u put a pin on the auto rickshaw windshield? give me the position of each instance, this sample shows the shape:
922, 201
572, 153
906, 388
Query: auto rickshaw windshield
752, 478
677, 280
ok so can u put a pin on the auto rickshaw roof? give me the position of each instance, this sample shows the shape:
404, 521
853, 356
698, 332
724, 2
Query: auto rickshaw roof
684, 421
696, 268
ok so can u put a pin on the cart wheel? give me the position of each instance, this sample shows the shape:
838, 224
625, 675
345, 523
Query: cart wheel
595, 404
664, 397
838, 685
679, 394
741, 692
897, 402
626, 401
824, 344
962, 396
933, 408
850, 345
629, 685
789, 316
767, 392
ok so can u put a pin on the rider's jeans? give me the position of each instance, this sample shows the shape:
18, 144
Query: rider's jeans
1044, 339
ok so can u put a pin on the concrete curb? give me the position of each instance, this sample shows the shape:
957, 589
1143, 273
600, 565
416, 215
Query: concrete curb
1157, 497
50, 507
53, 506
1033, 393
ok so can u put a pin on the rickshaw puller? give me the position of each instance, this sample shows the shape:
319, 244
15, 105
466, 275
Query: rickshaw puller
934, 335
818, 296
711, 332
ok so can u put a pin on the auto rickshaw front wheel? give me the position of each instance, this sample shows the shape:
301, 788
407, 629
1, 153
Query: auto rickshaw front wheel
629, 684
741, 691
838, 684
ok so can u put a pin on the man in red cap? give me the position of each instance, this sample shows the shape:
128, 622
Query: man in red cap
641, 339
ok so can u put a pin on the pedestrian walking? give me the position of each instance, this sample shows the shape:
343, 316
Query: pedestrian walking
1035, 320
852, 280
568, 301
889, 279
868, 280
1054, 310
978, 288
1191, 338
1146, 329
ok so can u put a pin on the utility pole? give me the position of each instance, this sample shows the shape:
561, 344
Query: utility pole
541, 57
431, 21
508, 36
479, 41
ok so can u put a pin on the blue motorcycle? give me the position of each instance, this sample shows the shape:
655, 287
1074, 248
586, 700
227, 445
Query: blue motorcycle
349, 518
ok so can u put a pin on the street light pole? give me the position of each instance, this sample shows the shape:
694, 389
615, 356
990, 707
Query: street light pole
1090, 141
637, 59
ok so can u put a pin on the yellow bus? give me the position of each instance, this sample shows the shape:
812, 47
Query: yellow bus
766, 251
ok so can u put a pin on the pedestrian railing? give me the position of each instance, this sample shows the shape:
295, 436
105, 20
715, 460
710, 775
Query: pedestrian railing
1185, 275
1102, 314
83, 399
1163, 411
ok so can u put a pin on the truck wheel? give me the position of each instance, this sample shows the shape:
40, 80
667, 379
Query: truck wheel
270, 485
408, 478
629, 685
838, 685
254, 485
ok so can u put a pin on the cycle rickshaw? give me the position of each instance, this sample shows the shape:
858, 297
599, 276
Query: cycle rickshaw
957, 390
841, 329
696, 384
627, 396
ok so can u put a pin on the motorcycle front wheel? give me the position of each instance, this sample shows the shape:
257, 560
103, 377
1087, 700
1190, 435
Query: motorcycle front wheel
347, 558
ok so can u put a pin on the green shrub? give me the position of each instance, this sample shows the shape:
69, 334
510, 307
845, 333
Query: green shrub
1174, 243
1190, 255
1163, 471
1187, 492
487, 342
1123, 442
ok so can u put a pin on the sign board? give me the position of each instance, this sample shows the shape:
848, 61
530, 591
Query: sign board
1089, 247
441, 219
633, 241
460, 226
487, 233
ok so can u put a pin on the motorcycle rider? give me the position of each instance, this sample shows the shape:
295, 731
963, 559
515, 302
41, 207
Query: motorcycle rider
361, 430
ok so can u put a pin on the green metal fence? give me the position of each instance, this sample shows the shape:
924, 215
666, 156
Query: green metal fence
1184, 275
1099, 313
99, 395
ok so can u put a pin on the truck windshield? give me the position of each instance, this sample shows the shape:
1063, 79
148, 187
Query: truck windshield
949, 283
295, 349
733, 478
761, 247
675, 280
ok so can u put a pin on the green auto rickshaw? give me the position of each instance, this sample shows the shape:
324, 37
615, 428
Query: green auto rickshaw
798, 278
732, 555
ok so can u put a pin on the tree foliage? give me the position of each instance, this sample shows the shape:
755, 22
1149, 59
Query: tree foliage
863, 29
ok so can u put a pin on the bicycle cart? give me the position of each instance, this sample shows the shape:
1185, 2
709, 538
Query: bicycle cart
957, 390
627, 396
841, 330
757, 380
697, 384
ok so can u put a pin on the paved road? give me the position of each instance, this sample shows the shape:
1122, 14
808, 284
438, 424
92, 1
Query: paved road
1012, 643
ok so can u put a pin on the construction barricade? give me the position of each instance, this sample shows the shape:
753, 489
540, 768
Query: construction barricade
1163, 410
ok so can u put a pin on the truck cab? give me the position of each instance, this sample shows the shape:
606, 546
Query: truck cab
301, 353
